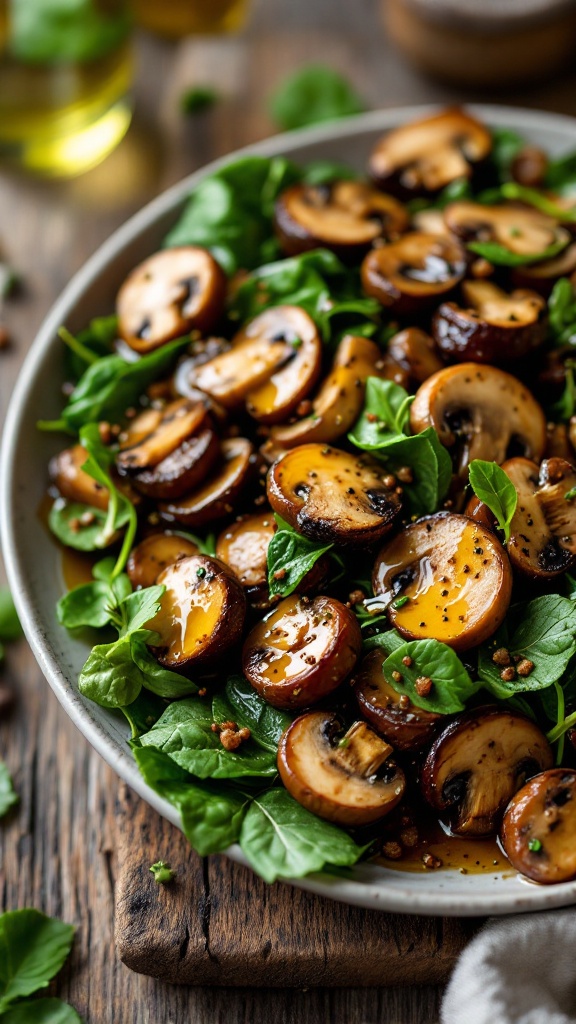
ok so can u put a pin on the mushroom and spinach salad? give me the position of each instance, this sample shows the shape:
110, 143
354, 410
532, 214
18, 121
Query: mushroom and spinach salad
321, 471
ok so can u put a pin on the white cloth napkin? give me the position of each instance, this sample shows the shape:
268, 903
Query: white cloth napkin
518, 970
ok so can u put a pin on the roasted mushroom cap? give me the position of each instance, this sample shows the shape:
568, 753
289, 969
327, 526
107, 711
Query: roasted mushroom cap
272, 364
168, 295
154, 554
539, 828
455, 574
480, 412
415, 352
301, 651
331, 495
244, 547
339, 402
476, 765
392, 714
541, 277
347, 777
201, 615
216, 497
414, 272
493, 327
73, 483
543, 529
522, 230
427, 155
344, 216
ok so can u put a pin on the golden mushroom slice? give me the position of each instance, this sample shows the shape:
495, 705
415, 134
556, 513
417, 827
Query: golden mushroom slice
202, 613
344, 216
414, 272
154, 554
538, 832
392, 714
522, 230
445, 578
331, 495
301, 651
491, 326
339, 401
477, 764
168, 295
271, 363
426, 155
480, 412
215, 498
73, 483
344, 777
244, 547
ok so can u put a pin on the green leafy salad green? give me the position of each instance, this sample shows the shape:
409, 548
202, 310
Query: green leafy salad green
369, 472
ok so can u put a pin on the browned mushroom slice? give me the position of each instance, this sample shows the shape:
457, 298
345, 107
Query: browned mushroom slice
344, 777
339, 402
522, 230
279, 396
169, 294
543, 529
542, 276
73, 483
344, 216
244, 547
415, 352
477, 763
425, 156
216, 497
202, 613
480, 412
493, 326
184, 469
182, 383
456, 576
154, 554
414, 272
156, 433
301, 651
392, 714
539, 828
331, 495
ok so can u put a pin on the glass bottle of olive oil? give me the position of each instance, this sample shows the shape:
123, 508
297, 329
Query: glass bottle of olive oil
175, 18
65, 74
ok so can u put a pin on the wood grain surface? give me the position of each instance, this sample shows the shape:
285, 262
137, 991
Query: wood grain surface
58, 847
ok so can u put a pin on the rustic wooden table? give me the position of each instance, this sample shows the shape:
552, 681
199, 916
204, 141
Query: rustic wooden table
58, 851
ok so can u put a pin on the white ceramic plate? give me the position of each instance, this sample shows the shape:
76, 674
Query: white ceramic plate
32, 560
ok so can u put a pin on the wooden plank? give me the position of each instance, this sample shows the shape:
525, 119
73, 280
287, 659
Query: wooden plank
220, 924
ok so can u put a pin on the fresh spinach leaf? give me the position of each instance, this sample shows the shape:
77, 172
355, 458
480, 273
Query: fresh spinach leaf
64, 31
110, 677
323, 172
534, 197
10, 628
313, 94
290, 558
64, 519
90, 604
492, 486
156, 678
251, 710
8, 797
94, 342
499, 255
33, 948
184, 733
41, 1011
451, 683
281, 839
506, 145
142, 713
230, 212
198, 99
389, 641
562, 313
561, 175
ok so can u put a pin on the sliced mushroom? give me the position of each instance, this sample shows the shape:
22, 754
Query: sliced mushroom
425, 156
416, 353
542, 276
393, 715
477, 763
339, 402
186, 467
281, 394
156, 433
522, 230
430, 221
539, 828
202, 613
216, 497
480, 412
344, 777
73, 483
344, 216
543, 529
455, 574
154, 554
168, 295
493, 326
301, 651
244, 547
414, 272
331, 495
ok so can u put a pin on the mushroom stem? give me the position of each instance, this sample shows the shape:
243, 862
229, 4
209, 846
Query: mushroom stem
361, 751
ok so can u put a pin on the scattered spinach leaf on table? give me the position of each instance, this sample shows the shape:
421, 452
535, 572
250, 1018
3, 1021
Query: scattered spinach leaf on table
197, 99
8, 797
33, 949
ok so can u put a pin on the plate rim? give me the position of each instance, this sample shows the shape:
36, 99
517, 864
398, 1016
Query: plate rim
363, 893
